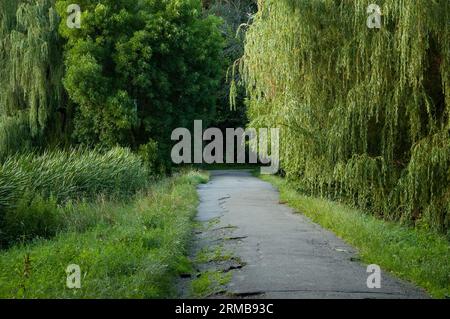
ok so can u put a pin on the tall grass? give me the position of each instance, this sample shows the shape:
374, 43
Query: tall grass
72, 175
60, 176
125, 250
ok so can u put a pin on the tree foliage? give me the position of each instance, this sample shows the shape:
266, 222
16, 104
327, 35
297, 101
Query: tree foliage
30, 62
15, 135
138, 69
235, 14
364, 112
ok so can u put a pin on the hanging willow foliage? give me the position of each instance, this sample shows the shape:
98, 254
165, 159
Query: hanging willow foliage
364, 112
30, 61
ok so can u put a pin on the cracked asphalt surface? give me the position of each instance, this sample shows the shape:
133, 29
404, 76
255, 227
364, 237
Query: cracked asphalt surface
283, 253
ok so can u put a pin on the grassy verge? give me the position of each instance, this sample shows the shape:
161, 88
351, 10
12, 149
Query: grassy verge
124, 250
412, 254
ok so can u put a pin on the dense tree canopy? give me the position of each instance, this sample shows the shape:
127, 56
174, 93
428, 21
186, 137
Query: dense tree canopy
137, 70
133, 71
364, 112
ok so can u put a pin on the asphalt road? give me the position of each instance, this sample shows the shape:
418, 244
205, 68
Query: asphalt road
282, 253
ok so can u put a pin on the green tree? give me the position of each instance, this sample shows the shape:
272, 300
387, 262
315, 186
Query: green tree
364, 112
31, 69
236, 14
138, 69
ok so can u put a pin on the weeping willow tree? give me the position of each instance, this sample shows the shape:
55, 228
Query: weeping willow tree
364, 112
31, 65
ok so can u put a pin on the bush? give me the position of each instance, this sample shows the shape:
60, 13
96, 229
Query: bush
15, 135
33, 217
151, 157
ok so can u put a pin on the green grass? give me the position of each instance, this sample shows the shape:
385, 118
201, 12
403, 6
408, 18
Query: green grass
75, 174
31, 185
212, 254
415, 255
210, 283
124, 250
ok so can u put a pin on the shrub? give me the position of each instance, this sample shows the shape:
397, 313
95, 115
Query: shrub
32, 217
151, 157
15, 135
